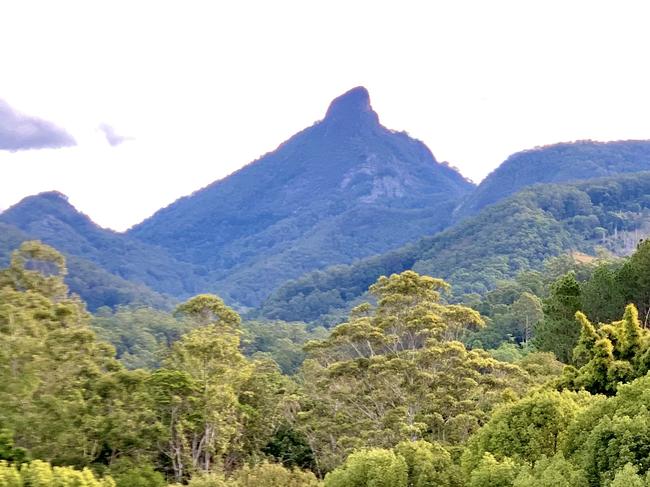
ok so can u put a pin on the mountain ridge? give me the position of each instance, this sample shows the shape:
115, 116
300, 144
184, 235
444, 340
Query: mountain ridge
516, 234
344, 172
556, 163
51, 218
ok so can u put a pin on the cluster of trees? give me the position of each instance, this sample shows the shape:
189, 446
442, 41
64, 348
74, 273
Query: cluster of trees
399, 394
67, 400
601, 291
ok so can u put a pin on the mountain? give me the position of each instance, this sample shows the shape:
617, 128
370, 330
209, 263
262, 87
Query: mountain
49, 217
517, 234
557, 163
96, 286
342, 189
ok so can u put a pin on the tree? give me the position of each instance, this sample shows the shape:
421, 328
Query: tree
527, 429
628, 477
558, 332
390, 374
428, 464
634, 277
140, 335
36, 267
273, 475
603, 297
491, 472
611, 433
613, 354
527, 312
54, 368
197, 393
551, 472
41, 474
370, 468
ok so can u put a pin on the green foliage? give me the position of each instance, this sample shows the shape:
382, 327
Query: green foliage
128, 474
615, 353
41, 474
289, 447
370, 468
635, 281
429, 464
602, 296
8, 450
558, 331
628, 477
260, 475
394, 372
273, 475
493, 473
525, 430
140, 335
280, 341
62, 391
216, 407
518, 234
551, 472
611, 433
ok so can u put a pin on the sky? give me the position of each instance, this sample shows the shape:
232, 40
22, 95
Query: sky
125, 106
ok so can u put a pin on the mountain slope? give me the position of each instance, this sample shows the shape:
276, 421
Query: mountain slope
516, 234
557, 163
344, 188
96, 286
49, 217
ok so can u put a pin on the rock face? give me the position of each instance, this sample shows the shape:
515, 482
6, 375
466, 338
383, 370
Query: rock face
342, 189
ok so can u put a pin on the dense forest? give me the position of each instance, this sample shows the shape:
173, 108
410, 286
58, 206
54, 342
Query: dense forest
346, 191
539, 382
346, 311
518, 234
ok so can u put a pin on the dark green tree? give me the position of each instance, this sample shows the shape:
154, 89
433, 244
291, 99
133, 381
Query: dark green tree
558, 332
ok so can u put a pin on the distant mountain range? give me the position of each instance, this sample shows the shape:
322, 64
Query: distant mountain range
339, 192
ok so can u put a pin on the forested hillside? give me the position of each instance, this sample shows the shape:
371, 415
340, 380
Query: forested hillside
556, 163
342, 189
391, 397
93, 283
502, 240
49, 217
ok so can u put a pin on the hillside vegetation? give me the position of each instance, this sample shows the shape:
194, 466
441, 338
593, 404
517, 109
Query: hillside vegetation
502, 240
571, 161
342, 189
391, 397
97, 286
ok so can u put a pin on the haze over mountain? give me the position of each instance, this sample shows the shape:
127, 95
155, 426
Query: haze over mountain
342, 189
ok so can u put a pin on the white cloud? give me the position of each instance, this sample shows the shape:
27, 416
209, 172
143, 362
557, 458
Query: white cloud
205, 87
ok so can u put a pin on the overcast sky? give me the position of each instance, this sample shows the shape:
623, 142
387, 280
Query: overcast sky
127, 105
